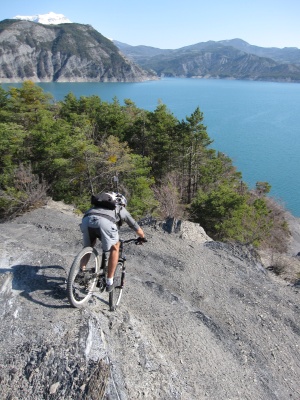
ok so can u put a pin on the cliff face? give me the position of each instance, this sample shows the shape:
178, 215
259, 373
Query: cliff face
61, 53
196, 321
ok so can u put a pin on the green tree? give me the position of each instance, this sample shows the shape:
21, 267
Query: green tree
213, 208
227, 214
137, 133
262, 188
11, 149
216, 169
249, 223
161, 128
199, 140
112, 120
137, 185
3, 97
27, 104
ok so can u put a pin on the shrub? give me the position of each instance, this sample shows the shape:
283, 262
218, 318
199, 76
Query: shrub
28, 192
168, 195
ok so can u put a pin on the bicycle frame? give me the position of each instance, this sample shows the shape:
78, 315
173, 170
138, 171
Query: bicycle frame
122, 259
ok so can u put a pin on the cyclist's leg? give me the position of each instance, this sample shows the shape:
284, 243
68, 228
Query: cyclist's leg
110, 242
113, 260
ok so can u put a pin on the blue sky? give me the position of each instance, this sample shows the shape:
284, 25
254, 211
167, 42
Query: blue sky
170, 24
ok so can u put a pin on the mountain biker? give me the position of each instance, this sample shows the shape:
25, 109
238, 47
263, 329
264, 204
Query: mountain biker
102, 221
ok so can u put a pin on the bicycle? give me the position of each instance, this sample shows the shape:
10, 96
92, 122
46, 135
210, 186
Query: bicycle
82, 283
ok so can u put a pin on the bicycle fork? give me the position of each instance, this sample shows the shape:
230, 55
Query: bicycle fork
123, 262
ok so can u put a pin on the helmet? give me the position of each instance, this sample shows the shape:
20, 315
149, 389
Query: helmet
109, 197
105, 200
121, 200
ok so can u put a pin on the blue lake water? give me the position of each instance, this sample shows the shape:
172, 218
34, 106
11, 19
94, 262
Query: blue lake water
257, 124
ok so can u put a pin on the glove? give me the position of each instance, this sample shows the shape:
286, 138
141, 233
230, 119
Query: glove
141, 240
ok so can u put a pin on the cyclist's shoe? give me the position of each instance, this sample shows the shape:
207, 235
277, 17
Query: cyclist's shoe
101, 283
80, 277
109, 288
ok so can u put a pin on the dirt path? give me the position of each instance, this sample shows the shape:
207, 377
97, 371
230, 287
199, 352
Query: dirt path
197, 321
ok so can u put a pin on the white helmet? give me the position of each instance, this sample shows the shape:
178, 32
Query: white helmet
121, 199
110, 197
105, 200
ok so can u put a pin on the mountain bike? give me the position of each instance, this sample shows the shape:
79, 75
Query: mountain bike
88, 274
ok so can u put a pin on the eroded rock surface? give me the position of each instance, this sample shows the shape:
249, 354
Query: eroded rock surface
62, 53
196, 321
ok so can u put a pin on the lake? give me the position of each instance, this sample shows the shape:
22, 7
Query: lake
257, 124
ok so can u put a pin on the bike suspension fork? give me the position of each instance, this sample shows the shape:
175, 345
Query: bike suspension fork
123, 261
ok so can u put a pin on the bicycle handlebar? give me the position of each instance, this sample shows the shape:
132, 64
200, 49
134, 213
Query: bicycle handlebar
136, 240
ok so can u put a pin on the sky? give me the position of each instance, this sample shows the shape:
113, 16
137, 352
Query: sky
171, 24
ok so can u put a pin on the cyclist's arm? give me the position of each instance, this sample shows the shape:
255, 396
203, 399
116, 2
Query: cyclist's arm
124, 214
140, 233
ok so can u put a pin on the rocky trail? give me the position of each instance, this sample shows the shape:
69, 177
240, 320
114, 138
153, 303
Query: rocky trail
198, 320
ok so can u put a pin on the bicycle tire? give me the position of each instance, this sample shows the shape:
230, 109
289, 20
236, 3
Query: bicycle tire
80, 285
116, 294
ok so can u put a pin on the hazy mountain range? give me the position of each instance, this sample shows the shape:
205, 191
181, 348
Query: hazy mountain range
235, 59
49, 47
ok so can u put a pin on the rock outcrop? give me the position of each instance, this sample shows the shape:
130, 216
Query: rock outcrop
196, 321
62, 53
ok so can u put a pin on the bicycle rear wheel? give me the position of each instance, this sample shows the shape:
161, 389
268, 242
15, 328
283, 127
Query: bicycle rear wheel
116, 294
82, 281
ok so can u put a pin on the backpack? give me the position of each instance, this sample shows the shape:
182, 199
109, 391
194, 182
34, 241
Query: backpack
104, 200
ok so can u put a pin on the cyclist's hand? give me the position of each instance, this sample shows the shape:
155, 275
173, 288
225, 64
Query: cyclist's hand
141, 240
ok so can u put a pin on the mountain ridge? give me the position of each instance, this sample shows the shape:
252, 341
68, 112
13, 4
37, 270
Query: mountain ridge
88, 56
228, 59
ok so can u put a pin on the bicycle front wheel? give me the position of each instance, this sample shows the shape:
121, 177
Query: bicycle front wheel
82, 277
116, 294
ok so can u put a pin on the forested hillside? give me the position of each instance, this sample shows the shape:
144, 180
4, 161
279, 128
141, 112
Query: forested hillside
166, 167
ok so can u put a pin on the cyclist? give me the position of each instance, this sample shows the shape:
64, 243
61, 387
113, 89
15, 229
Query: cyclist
102, 221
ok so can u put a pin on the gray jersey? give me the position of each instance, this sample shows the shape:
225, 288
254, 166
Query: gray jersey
117, 215
103, 224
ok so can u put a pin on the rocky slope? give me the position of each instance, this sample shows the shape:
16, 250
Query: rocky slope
198, 320
61, 53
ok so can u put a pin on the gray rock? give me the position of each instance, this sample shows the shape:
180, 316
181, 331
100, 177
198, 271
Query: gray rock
62, 53
197, 320
186, 230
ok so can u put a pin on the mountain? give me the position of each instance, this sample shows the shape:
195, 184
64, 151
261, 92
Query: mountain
233, 59
196, 320
288, 55
67, 52
46, 19
140, 53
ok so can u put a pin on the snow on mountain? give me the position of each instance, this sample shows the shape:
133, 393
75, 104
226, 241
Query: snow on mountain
47, 19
